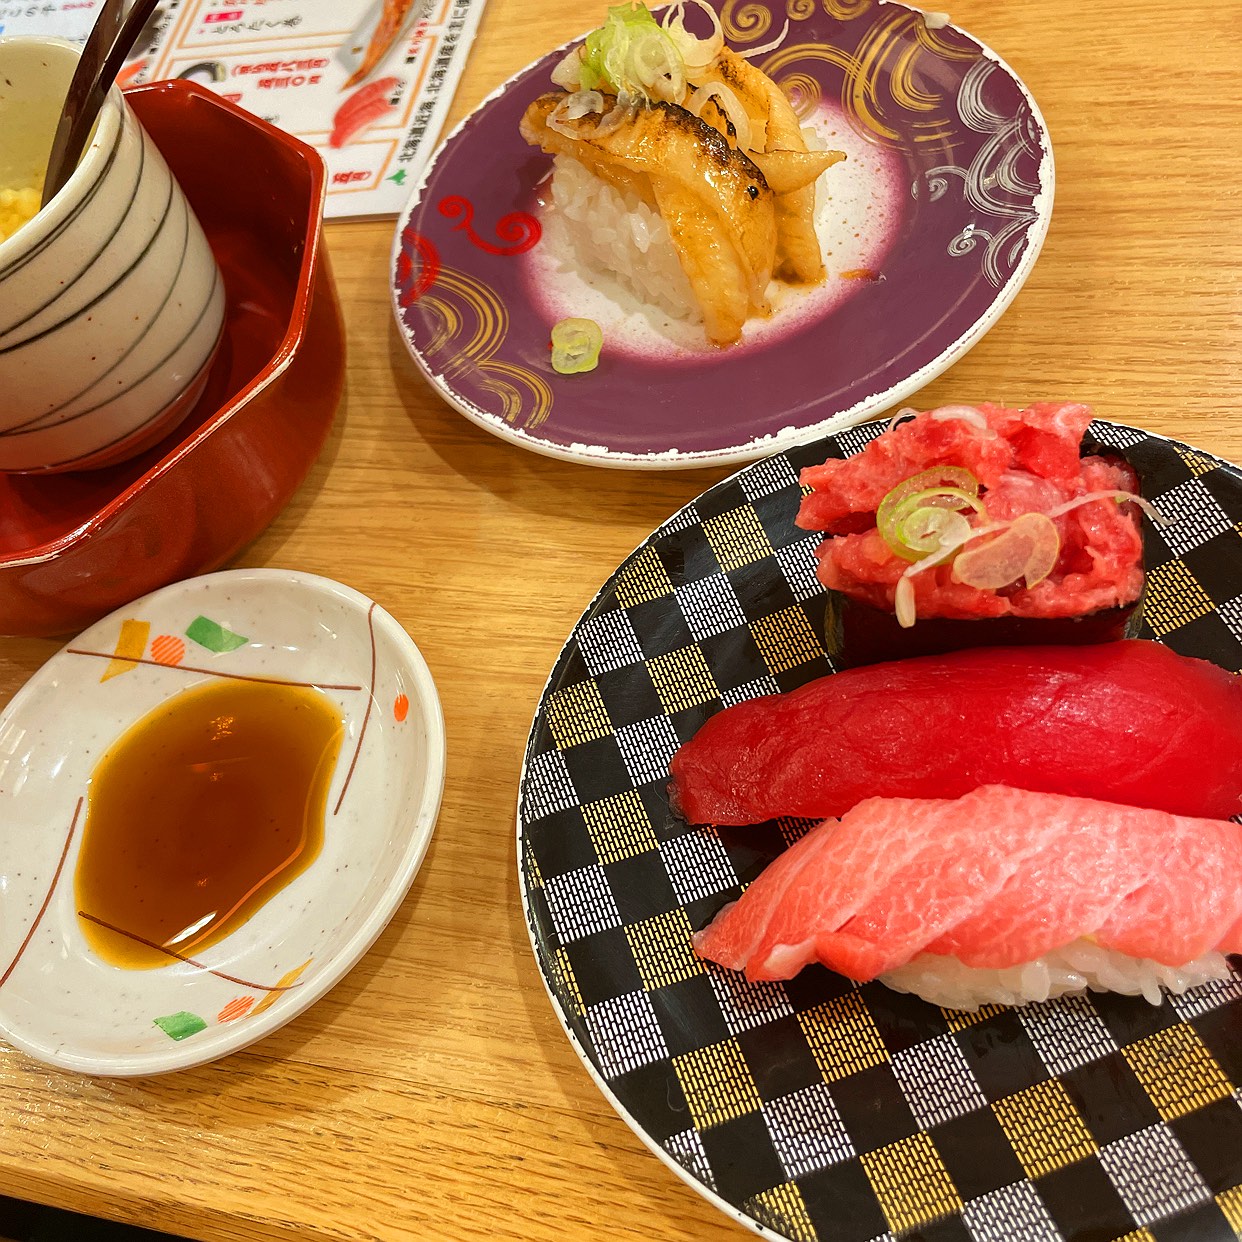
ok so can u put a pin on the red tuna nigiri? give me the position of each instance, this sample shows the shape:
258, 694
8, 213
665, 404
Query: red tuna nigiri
994, 879
1130, 722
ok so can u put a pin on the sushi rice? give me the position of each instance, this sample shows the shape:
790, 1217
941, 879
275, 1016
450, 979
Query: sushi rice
594, 228
1077, 967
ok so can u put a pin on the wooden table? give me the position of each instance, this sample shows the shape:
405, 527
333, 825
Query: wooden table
432, 1093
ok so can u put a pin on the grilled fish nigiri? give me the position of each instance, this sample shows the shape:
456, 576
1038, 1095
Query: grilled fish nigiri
798, 254
718, 207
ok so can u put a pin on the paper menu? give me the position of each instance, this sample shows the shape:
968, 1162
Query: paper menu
367, 82
66, 19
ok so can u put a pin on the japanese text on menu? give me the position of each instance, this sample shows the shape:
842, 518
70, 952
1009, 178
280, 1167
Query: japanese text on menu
367, 82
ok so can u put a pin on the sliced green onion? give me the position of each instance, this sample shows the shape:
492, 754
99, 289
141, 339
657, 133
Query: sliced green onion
937, 477
903, 595
903, 602
575, 346
697, 54
924, 520
632, 55
912, 517
1026, 549
928, 528
1038, 557
1121, 498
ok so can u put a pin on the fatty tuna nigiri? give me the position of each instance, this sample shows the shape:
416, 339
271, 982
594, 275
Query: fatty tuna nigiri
1001, 895
1129, 721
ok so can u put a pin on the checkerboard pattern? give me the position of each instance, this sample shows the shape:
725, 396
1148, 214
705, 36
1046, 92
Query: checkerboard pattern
818, 1109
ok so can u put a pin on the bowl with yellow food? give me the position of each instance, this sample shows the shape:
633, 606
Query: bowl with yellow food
111, 301
18, 205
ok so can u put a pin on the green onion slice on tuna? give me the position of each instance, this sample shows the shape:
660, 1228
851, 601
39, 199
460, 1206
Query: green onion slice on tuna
1030, 553
925, 513
1121, 498
575, 346
903, 595
1027, 548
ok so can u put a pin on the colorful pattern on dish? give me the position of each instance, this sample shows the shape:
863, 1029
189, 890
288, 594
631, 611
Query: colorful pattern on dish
471, 324
998, 183
880, 78
130, 651
1002, 183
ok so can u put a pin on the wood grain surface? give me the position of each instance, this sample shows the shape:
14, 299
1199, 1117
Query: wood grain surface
432, 1094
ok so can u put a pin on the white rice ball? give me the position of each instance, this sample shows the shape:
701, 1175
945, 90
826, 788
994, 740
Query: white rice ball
1077, 967
591, 227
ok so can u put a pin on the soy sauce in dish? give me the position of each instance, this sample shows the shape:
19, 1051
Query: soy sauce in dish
199, 813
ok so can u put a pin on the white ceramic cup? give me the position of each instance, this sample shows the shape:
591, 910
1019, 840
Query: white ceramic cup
111, 302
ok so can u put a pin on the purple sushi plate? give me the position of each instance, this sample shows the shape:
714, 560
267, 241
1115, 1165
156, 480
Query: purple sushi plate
930, 227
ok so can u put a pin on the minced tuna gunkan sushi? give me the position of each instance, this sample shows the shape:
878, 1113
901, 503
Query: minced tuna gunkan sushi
972, 525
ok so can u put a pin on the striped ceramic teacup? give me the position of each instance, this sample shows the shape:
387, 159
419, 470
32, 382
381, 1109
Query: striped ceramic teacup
111, 302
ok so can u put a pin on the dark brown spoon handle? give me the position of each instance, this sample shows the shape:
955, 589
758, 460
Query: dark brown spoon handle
104, 53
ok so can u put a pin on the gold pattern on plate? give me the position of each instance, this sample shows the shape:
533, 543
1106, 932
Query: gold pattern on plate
1174, 598
786, 640
642, 579
936, 43
911, 1183
737, 538
784, 1209
467, 308
1044, 1128
682, 679
565, 983
577, 714
717, 1084
842, 1036
662, 950
880, 78
1230, 1204
804, 93
744, 23
1177, 1071
619, 827
845, 10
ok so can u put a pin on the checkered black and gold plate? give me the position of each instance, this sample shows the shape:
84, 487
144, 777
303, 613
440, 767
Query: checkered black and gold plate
818, 1109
